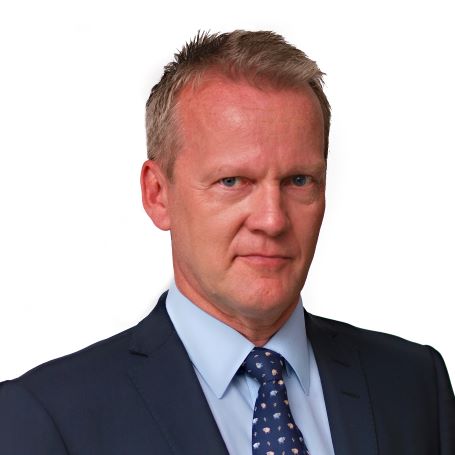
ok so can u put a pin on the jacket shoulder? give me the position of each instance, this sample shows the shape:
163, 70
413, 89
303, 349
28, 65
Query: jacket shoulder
375, 346
89, 365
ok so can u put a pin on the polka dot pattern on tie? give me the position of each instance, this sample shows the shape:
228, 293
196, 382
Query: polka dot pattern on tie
274, 431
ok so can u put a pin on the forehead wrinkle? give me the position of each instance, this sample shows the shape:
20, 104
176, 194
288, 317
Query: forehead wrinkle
250, 166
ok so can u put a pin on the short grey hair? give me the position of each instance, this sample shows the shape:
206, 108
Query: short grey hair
263, 58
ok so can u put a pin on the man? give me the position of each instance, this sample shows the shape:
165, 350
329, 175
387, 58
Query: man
228, 361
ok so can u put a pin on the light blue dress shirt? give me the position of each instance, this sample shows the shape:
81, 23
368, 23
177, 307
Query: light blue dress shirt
217, 351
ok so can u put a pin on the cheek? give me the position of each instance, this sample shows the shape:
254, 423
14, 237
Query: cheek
217, 221
202, 230
307, 224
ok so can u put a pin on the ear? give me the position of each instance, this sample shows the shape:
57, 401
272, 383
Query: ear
154, 184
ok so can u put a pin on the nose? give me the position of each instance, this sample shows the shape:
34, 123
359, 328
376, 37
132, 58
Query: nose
267, 212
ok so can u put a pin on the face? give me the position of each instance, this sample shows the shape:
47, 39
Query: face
246, 201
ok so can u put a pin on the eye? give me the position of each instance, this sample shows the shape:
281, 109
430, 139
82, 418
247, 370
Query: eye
300, 180
229, 181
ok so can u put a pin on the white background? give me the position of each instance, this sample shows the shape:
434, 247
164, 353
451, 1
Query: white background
79, 259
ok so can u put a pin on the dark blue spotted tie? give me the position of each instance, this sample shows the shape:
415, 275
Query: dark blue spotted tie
274, 429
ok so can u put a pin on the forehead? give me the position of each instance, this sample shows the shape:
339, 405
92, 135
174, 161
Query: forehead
217, 106
235, 127
215, 94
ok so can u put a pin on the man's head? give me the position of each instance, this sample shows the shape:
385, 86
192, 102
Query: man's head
245, 200
262, 58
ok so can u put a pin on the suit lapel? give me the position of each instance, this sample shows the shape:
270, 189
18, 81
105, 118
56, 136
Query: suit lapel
345, 390
173, 396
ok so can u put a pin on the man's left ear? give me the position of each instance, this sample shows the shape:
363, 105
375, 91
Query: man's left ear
154, 184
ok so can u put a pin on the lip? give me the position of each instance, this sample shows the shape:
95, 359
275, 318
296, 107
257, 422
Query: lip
264, 260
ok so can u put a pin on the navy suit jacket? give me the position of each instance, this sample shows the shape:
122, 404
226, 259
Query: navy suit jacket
137, 394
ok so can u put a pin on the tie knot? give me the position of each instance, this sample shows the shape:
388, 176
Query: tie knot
264, 365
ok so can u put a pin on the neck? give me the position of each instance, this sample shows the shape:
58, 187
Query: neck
258, 329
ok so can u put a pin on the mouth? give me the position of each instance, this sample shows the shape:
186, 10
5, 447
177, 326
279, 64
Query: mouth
262, 260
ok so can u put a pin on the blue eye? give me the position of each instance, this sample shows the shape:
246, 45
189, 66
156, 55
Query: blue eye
300, 180
229, 181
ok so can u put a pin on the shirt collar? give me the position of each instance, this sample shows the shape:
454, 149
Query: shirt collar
292, 343
217, 350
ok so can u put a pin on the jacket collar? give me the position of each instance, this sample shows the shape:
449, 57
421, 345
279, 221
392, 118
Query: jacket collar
173, 397
346, 393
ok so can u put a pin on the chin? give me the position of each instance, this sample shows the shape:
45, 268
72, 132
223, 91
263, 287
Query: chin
268, 302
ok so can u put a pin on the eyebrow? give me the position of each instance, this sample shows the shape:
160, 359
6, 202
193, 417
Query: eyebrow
239, 169
319, 167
